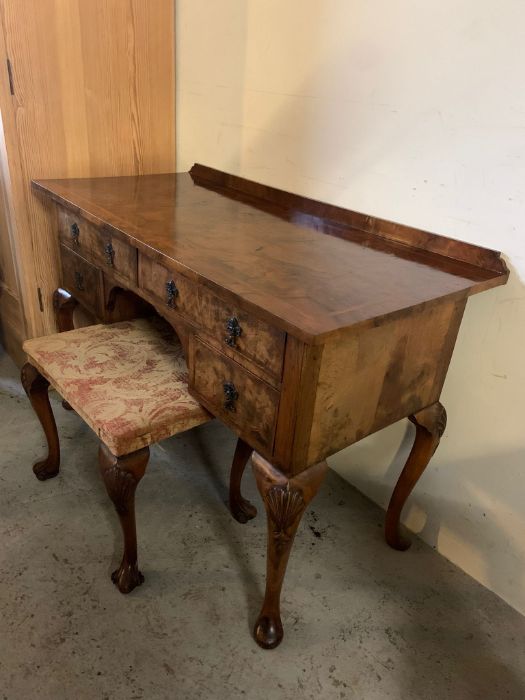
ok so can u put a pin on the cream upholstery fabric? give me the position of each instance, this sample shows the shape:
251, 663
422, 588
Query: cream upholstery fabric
128, 381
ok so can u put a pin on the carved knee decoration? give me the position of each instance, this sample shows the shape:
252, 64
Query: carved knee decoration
285, 500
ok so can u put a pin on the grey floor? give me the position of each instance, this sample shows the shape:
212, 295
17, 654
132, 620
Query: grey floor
361, 621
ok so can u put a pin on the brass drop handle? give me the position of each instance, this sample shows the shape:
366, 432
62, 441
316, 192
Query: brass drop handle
109, 252
75, 234
234, 332
230, 396
171, 293
79, 281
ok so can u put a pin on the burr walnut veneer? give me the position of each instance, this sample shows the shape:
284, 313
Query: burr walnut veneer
306, 327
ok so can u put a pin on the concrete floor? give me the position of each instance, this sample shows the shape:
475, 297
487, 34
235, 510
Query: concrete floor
361, 621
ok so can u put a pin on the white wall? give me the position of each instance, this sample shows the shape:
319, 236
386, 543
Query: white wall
413, 111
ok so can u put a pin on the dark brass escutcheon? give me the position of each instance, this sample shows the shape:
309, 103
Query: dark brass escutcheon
171, 293
234, 332
75, 234
79, 281
109, 252
230, 396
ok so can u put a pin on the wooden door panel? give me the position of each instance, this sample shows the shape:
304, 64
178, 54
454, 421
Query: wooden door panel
93, 86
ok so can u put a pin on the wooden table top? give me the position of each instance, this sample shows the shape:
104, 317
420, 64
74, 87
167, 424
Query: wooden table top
269, 247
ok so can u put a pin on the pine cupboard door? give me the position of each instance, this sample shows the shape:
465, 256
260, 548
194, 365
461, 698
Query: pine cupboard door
12, 329
86, 90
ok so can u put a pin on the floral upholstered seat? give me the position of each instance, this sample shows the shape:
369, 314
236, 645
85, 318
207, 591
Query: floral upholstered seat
128, 380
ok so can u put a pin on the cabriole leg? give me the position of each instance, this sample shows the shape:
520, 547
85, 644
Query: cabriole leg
430, 425
285, 500
36, 387
121, 477
241, 509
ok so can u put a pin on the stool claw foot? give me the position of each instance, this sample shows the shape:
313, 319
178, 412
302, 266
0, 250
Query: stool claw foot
121, 476
127, 577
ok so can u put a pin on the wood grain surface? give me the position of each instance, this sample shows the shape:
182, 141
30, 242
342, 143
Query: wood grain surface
308, 284
253, 412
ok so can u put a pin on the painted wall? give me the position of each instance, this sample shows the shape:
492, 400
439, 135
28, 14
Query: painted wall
415, 112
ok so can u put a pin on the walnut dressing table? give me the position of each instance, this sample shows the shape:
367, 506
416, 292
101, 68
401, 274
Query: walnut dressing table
306, 327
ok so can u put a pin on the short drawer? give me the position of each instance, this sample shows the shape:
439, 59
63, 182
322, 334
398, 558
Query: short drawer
168, 287
235, 395
82, 279
239, 332
98, 246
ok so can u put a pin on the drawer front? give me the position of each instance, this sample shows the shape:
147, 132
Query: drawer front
168, 287
241, 333
82, 279
98, 246
235, 395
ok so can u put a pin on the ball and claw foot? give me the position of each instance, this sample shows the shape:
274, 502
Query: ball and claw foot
127, 577
268, 632
242, 510
43, 470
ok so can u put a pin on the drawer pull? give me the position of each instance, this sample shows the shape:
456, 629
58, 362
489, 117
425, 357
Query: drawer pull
75, 234
234, 332
109, 252
171, 293
230, 396
79, 281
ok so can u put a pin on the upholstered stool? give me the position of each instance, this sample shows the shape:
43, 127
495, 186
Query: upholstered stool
129, 382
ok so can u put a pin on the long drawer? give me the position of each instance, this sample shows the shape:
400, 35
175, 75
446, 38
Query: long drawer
98, 246
235, 395
235, 332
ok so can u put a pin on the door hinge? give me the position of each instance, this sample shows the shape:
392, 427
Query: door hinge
40, 301
10, 74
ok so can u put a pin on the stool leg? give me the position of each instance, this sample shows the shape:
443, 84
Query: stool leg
36, 387
241, 509
121, 476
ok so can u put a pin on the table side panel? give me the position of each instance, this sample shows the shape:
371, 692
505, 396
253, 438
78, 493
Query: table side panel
370, 379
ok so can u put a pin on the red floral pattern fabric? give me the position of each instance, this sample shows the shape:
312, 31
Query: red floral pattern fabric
128, 381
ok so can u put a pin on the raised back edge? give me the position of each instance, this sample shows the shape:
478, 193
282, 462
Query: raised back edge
338, 220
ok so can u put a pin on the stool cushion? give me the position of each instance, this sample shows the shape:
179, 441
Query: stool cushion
128, 381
